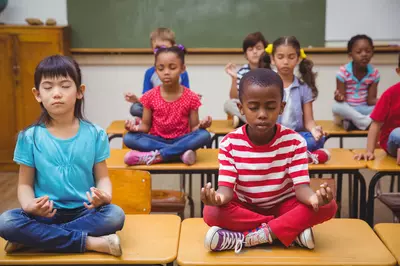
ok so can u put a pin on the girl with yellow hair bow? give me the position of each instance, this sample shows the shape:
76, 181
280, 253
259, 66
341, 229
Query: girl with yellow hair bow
285, 54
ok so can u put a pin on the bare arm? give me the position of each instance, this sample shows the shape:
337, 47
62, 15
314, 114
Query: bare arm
309, 122
103, 182
233, 93
146, 121
194, 120
340, 94
26, 179
373, 133
303, 193
372, 94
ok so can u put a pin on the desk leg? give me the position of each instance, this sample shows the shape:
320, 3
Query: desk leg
355, 197
341, 142
371, 196
339, 185
363, 195
351, 199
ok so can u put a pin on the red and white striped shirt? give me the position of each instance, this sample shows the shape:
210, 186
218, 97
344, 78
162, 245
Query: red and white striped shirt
263, 175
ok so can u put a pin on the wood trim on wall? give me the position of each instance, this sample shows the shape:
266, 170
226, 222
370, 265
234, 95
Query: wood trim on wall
314, 50
218, 59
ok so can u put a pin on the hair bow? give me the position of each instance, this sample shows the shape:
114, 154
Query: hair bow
158, 48
269, 48
302, 54
180, 46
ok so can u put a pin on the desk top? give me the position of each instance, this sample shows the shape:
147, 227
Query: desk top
334, 130
145, 239
338, 242
221, 127
341, 159
382, 162
389, 233
116, 127
207, 159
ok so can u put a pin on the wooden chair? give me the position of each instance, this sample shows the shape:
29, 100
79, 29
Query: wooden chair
131, 190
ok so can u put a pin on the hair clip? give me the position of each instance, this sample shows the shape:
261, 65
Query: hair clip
180, 46
158, 48
268, 50
302, 54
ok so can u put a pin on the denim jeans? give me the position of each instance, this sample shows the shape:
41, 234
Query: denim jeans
136, 110
66, 231
170, 149
312, 144
358, 115
393, 142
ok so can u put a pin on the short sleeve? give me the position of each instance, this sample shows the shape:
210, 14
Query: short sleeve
102, 146
306, 94
298, 167
145, 100
341, 75
380, 112
377, 76
194, 101
227, 170
23, 153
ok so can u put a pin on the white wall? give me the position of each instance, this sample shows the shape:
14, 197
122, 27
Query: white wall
18, 10
378, 19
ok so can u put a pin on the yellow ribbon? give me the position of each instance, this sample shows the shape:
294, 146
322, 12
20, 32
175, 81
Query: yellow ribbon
268, 50
302, 54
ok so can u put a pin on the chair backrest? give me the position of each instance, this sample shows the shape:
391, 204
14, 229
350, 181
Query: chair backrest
131, 190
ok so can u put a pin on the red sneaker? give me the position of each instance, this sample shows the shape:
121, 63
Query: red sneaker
320, 156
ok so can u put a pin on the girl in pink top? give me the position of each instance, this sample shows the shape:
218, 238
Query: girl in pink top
170, 127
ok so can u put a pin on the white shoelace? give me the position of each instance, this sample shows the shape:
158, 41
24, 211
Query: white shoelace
313, 157
231, 240
148, 158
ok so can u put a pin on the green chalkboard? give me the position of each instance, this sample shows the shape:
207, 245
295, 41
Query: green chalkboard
197, 23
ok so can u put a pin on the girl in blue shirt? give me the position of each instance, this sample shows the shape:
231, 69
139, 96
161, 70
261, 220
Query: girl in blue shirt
63, 187
299, 93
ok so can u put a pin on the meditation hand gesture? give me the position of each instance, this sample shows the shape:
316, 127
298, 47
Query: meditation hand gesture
211, 197
321, 197
317, 133
338, 96
230, 69
97, 199
205, 123
41, 207
130, 97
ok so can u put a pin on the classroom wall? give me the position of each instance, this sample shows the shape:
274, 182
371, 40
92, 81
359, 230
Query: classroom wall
18, 10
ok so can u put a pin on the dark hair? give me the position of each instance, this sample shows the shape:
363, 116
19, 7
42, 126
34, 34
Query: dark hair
261, 77
353, 40
53, 67
305, 66
179, 50
252, 39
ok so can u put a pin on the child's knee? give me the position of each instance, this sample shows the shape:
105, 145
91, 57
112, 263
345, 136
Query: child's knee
8, 222
329, 210
114, 217
210, 215
395, 135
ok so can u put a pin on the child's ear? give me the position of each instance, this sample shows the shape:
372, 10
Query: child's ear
283, 104
240, 106
183, 68
81, 91
36, 93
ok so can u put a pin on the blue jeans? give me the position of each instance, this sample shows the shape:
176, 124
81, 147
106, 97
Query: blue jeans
66, 231
136, 110
170, 149
312, 144
394, 142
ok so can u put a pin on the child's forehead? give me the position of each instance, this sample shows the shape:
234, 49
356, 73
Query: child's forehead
362, 43
285, 49
256, 90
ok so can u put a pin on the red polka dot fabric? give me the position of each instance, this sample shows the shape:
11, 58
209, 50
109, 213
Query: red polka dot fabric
170, 119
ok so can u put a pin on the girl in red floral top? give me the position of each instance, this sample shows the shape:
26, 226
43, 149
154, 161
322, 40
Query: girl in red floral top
170, 127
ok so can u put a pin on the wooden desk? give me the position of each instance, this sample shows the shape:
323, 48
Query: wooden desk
145, 239
116, 129
220, 128
383, 165
335, 131
389, 233
337, 242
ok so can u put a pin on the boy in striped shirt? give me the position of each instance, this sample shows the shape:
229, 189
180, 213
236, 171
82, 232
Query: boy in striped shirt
264, 193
